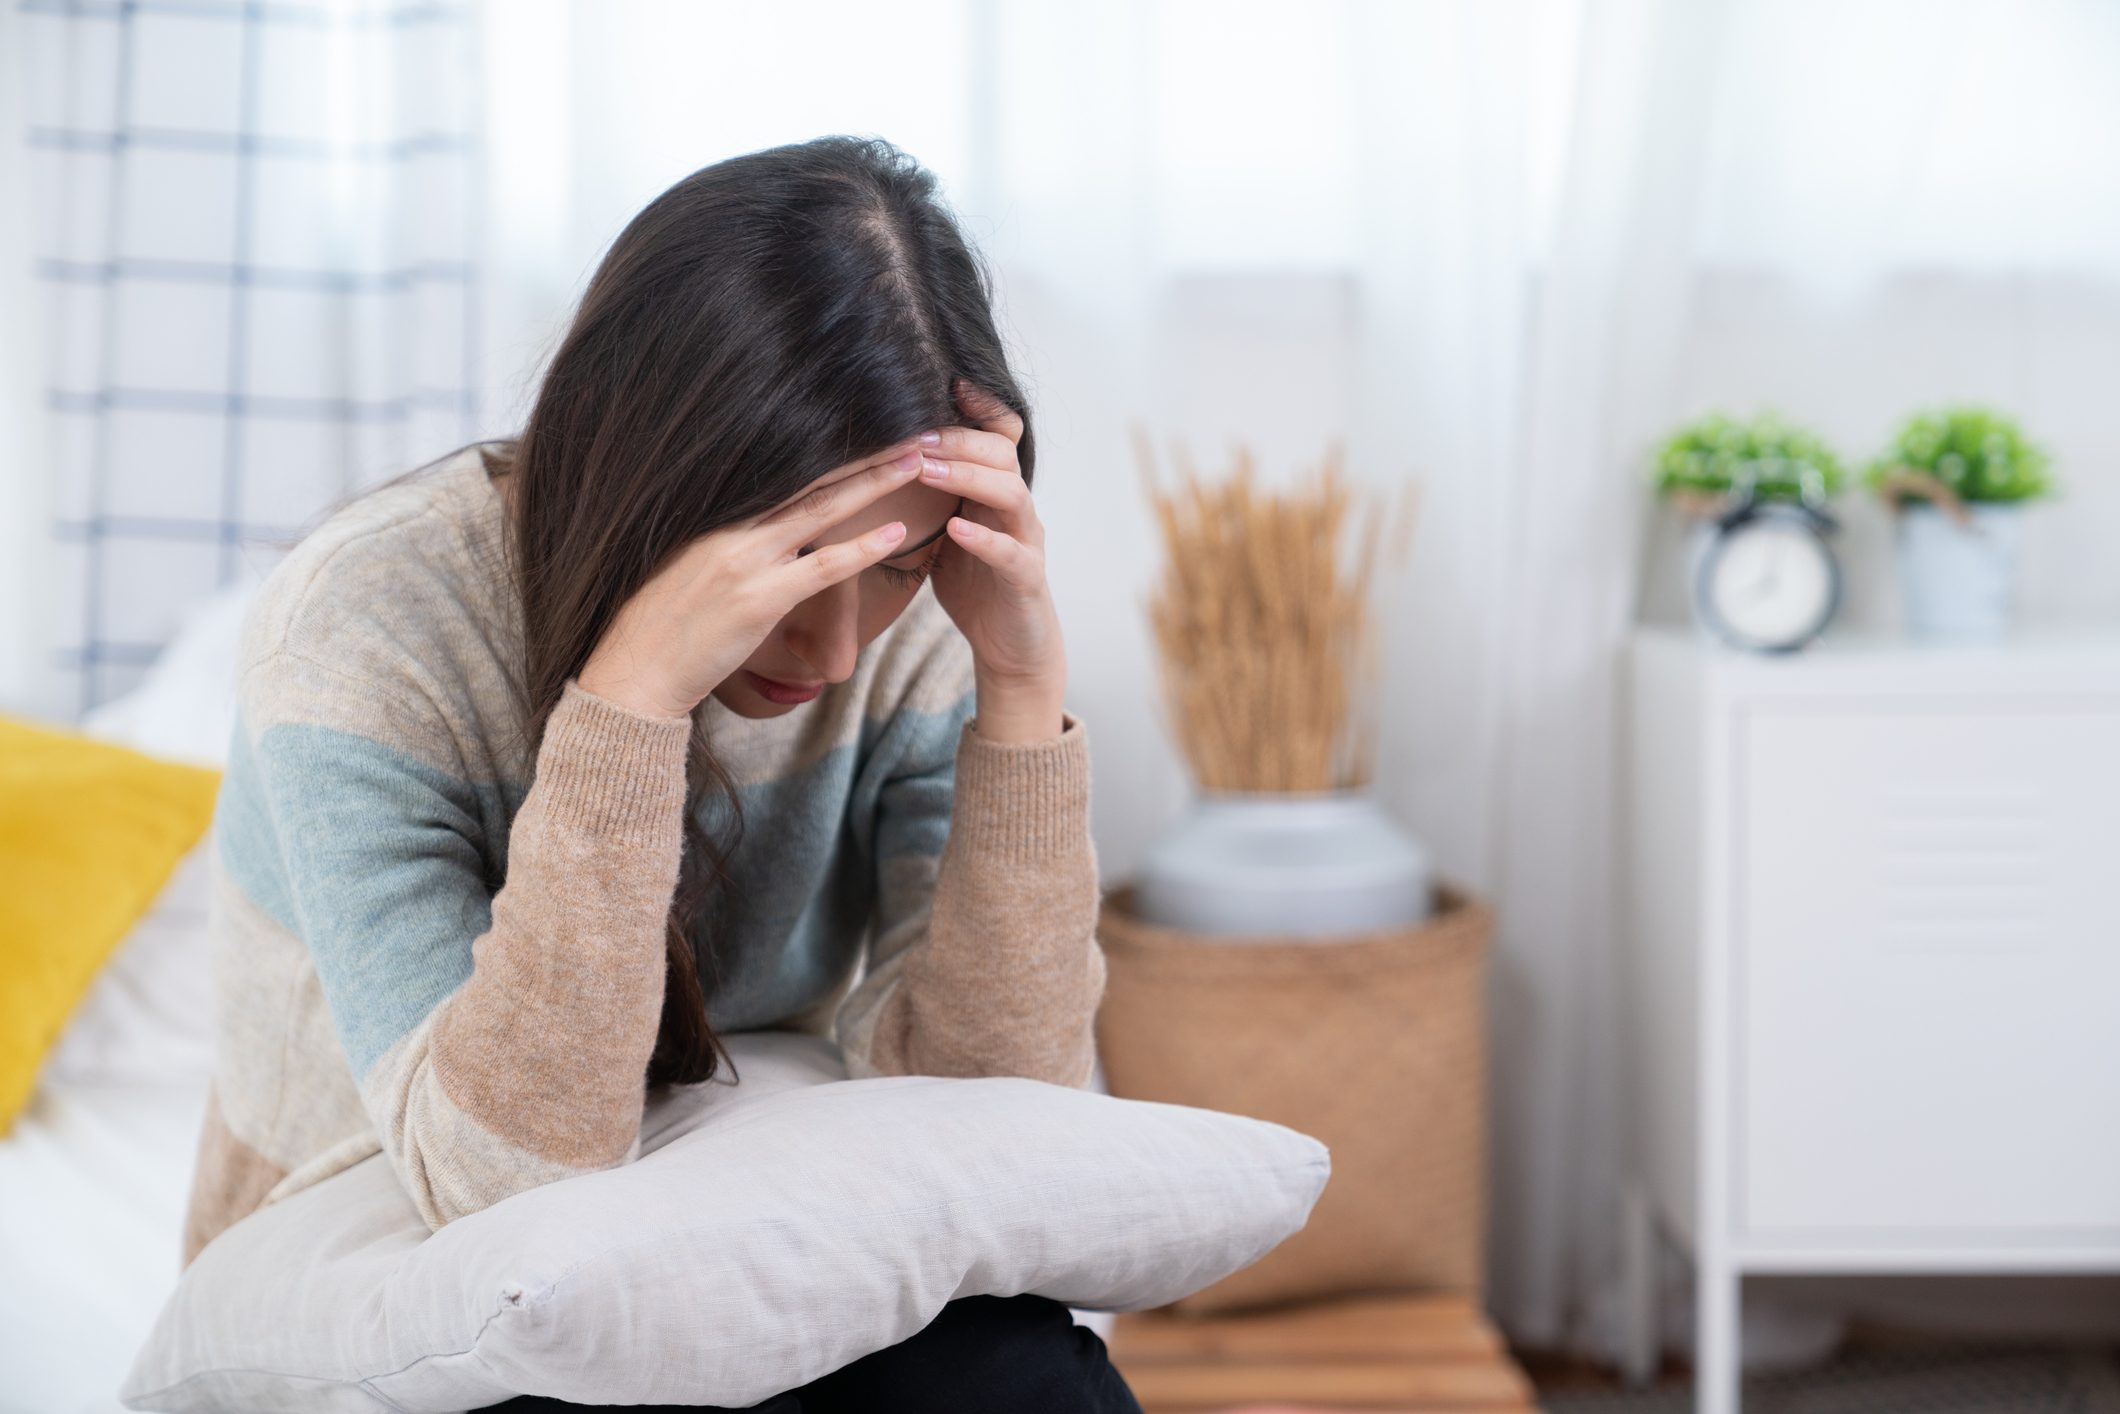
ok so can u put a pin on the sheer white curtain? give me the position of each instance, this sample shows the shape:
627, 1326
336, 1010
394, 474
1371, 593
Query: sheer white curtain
1498, 245
1909, 203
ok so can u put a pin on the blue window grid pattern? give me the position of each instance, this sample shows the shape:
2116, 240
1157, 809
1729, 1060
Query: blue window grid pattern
107, 531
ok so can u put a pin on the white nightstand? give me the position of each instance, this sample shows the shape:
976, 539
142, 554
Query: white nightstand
1873, 961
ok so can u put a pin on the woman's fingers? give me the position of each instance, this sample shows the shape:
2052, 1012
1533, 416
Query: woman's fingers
972, 444
829, 502
1004, 491
828, 564
1021, 566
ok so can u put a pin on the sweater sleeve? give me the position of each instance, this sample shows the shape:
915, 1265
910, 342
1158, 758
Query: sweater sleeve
983, 957
499, 1039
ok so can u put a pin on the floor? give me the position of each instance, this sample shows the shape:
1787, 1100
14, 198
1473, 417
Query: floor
1938, 1378
1396, 1355
1439, 1355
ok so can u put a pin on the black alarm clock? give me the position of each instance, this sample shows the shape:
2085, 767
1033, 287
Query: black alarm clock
1767, 581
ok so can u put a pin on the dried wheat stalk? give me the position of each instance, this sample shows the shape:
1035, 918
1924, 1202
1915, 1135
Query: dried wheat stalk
1266, 644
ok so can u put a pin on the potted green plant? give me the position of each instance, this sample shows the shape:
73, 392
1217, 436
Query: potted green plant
1706, 465
1699, 463
1958, 479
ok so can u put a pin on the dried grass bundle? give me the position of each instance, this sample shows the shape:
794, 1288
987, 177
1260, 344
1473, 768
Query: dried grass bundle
1266, 643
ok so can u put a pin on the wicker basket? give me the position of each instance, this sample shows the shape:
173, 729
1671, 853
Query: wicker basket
1374, 1044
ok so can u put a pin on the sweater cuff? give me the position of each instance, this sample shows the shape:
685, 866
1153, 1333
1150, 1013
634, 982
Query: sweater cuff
611, 770
1023, 801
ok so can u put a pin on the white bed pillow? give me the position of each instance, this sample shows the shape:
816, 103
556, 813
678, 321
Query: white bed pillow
148, 1015
771, 1232
184, 708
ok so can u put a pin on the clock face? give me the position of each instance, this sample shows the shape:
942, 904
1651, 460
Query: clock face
1769, 582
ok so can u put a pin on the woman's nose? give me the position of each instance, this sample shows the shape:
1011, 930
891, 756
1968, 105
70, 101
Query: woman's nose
825, 631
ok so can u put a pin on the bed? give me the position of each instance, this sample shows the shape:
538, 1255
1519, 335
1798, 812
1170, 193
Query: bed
93, 1179
95, 1172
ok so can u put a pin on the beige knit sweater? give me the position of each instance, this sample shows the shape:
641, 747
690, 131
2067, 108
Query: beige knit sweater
428, 943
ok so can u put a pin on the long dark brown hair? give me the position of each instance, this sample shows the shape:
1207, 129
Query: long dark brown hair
765, 320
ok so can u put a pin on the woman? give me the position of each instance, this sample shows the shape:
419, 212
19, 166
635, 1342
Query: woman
563, 755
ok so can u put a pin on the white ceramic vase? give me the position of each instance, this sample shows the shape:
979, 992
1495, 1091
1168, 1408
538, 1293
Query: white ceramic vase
1958, 582
1284, 864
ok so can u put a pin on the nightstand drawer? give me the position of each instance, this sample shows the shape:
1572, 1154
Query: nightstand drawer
1926, 934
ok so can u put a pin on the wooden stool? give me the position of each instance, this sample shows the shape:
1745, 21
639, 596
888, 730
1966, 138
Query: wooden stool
1379, 1355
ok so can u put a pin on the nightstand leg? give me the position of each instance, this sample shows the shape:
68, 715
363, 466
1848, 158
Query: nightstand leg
1717, 1360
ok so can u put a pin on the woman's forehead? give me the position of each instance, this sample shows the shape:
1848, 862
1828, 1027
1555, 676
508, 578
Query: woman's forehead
923, 508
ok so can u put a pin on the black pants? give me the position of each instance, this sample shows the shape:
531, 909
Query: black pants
1007, 1354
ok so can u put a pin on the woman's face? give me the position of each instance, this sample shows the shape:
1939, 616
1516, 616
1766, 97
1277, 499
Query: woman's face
817, 641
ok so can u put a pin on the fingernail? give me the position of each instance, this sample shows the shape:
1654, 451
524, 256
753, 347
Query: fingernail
931, 439
938, 470
894, 532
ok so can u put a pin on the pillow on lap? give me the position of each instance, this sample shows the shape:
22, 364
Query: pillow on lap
771, 1232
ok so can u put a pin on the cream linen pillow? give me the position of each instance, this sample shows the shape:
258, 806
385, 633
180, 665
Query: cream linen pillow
771, 1232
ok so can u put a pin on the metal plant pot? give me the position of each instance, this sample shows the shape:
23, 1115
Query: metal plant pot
1958, 582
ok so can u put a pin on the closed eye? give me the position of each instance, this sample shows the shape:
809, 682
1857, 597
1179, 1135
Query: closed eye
911, 578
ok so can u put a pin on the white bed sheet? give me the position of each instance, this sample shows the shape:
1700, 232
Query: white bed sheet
93, 1182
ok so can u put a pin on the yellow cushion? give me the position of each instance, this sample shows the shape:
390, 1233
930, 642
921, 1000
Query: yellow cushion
89, 834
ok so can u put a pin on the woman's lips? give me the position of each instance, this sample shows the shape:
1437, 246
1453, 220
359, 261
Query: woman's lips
774, 690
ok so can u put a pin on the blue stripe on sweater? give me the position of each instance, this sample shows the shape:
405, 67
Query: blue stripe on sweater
386, 867
803, 883
379, 863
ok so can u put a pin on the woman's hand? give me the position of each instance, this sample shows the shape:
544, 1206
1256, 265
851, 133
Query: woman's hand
710, 606
992, 583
